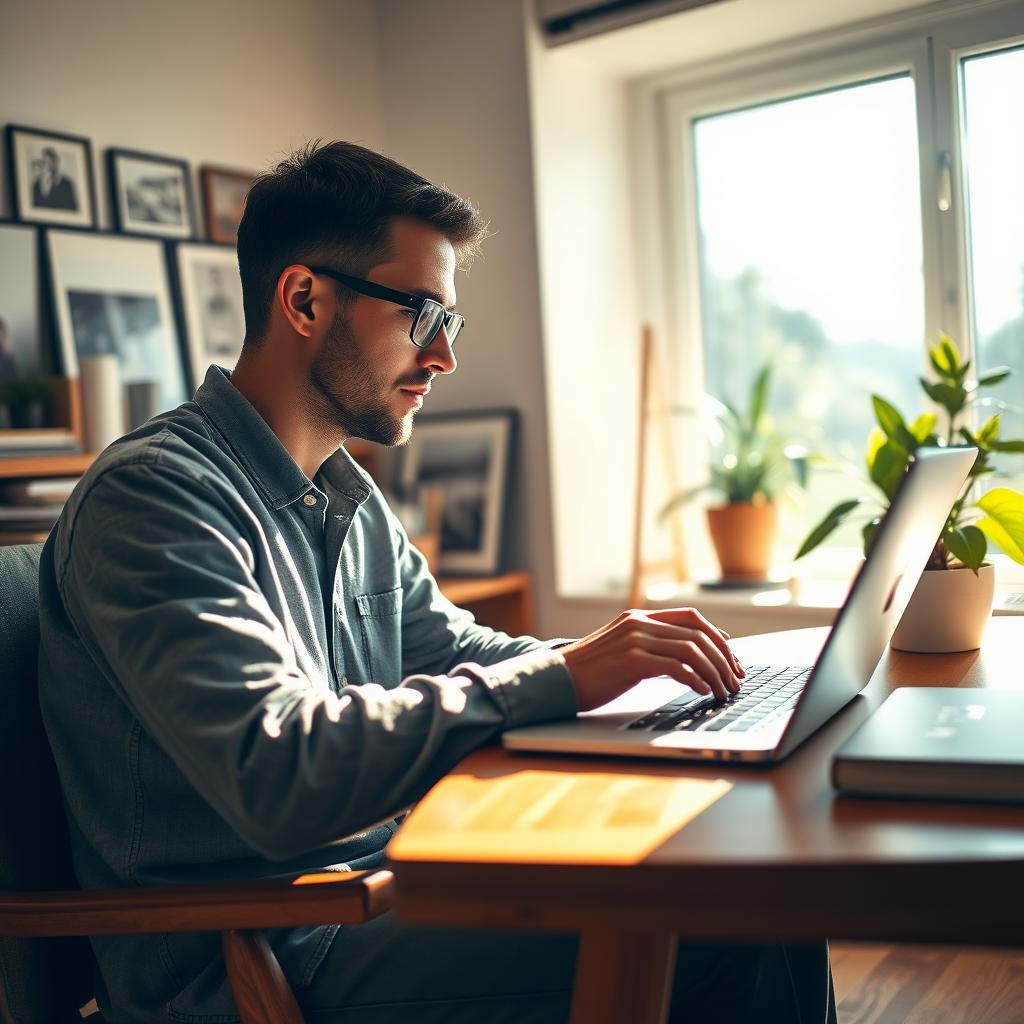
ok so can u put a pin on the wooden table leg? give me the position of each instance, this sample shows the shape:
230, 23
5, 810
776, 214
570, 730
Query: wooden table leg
623, 976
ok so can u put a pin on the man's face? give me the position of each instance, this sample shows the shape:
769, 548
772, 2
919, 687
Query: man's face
369, 377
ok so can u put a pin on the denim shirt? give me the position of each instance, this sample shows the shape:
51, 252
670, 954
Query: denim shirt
244, 673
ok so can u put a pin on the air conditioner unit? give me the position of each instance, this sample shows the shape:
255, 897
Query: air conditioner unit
565, 20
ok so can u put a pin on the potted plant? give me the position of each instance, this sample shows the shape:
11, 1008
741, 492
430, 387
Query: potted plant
752, 464
953, 600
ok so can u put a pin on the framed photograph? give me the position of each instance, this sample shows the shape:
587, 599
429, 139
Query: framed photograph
224, 193
24, 342
150, 195
31, 416
111, 295
51, 177
209, 293
468, 457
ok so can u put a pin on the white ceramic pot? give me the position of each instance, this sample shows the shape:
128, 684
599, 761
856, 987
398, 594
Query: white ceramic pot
948, 611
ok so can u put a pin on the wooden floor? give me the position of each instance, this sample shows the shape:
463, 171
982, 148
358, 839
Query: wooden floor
927, 985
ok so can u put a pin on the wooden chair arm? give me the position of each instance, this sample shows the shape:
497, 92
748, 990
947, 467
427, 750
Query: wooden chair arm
329, 897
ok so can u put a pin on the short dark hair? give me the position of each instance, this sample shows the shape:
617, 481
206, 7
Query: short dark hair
334, 202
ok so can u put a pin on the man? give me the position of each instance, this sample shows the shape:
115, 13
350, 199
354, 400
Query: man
52, 189
246, 668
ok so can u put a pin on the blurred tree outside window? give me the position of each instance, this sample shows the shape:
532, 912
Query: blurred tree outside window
810, 254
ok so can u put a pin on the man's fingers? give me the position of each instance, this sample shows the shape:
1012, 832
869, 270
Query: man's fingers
692, 618
661, 666
701, 655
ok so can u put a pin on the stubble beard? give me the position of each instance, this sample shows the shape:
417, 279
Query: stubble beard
349, 396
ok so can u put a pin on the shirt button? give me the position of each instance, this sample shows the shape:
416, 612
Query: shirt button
309, 499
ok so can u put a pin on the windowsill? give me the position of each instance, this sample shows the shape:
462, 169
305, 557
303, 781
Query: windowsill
815, 601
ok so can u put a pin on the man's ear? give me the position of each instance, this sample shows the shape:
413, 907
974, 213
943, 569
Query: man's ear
301, 296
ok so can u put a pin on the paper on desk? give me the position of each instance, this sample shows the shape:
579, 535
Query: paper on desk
552, 817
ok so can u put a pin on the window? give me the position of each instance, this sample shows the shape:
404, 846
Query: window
835, 208
992, 86
809, 223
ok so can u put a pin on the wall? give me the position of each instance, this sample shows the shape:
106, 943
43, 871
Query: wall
232, 82
455, 106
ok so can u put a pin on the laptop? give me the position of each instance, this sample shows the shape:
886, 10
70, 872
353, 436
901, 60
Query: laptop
780, 706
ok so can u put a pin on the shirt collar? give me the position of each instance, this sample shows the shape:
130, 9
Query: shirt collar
259, 450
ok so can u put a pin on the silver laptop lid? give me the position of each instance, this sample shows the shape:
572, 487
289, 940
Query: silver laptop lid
882, 588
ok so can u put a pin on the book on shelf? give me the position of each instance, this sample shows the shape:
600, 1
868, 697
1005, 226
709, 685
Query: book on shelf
938, 743
18, 440
42, 491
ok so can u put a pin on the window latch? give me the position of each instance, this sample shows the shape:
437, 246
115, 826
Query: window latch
945, 184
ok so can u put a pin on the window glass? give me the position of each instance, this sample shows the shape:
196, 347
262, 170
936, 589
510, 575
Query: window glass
992, 87
810, 256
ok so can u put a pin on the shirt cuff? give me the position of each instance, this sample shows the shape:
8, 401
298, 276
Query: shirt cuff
532, 687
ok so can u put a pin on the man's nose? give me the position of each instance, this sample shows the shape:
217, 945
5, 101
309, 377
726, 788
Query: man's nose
438, 356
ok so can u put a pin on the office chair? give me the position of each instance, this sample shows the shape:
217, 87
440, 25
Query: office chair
46, 963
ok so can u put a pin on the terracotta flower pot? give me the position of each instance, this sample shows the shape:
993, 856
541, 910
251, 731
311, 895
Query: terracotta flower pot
744, 538
948, 611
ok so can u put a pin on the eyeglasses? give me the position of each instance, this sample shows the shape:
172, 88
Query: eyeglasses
430, 314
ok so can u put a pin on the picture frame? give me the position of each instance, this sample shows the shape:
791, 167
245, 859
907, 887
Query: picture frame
150, 195
111, 294
208, 292
51, 177
224, 192
468, 457
34, 405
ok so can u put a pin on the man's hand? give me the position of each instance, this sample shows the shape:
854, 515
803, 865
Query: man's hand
676, 642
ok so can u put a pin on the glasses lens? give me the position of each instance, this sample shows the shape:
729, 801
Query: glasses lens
456, 322
427, 323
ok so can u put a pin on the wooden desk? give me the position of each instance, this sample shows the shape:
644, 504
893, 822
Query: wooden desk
779, 857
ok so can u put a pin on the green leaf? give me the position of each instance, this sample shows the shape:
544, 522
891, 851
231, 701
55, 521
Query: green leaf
989, 431
868, 532
1009, 446
890, 420
922, 427
968, 544
996, 376
758, 396
950, 353
876, 440
889, 465
834, 519
1004, 521
938, 362
950, 396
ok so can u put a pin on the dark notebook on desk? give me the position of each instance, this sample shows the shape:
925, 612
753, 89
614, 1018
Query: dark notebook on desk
938, 743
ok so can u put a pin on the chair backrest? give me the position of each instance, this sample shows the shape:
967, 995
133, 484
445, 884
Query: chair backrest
42, 981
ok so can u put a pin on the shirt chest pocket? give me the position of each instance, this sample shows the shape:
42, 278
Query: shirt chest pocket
380, 621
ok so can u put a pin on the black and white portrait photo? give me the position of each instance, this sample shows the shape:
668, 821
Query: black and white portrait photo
52, 177
466, 456
210, 292
151, 195
112, 297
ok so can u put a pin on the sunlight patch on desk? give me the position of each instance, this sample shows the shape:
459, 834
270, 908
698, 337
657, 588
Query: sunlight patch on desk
552, 817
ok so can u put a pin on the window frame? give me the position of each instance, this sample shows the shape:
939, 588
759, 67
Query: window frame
928, 47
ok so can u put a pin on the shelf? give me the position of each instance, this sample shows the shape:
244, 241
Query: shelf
502, 602
58, 464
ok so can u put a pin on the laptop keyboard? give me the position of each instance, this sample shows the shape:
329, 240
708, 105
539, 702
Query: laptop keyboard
768, 692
